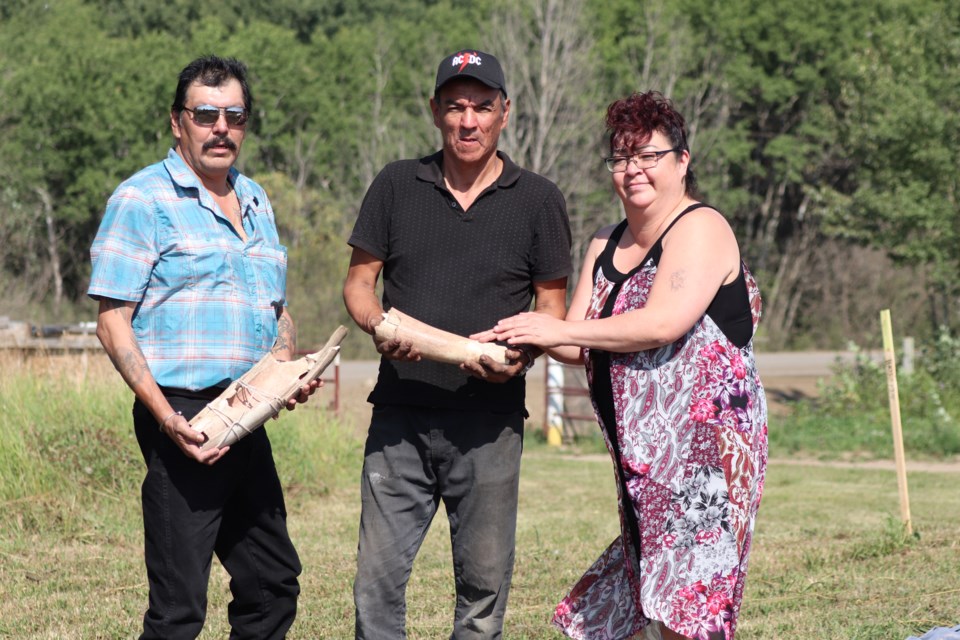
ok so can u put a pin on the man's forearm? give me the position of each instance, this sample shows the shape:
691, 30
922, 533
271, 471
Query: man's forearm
364, 307
285, 346
360, 290
132, 365
552, 300
116, 335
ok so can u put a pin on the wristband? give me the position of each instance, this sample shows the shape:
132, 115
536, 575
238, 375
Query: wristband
163, 422
530, 360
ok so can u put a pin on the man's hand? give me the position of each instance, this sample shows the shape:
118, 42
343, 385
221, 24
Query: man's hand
492, 371
306, 391
390, 349
397, 350
189, 440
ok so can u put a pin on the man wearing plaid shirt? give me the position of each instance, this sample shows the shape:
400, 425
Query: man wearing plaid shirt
191, 276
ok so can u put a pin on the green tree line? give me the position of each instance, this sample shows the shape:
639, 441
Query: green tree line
827, 132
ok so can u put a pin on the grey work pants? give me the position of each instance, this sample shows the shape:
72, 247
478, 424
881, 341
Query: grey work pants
414, 458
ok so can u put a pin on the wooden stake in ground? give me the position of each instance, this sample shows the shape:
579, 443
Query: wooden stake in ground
893, 393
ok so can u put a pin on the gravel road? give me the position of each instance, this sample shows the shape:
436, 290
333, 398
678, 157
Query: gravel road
786, 376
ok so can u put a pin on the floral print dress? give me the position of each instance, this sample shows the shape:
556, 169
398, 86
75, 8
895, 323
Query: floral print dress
686, 425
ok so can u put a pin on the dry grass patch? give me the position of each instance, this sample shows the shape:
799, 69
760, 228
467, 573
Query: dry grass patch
829, 559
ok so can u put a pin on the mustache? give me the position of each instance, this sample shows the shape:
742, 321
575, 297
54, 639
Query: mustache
220, 140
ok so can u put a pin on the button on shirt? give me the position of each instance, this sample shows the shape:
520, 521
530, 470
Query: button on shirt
208, 301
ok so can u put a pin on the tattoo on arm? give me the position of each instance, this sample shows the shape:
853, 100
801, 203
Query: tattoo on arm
132, 365
110, 304
677, 280
126, 356
286, 336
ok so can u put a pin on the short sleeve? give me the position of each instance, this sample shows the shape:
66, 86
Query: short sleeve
372, 229
551, 252
124, 251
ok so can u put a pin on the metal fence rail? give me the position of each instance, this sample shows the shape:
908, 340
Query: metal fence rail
568, 412
62, 338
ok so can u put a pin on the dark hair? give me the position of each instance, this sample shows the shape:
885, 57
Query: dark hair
212, 71
633, 120
436, 93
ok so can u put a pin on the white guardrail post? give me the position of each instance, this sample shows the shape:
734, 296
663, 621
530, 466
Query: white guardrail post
555, 408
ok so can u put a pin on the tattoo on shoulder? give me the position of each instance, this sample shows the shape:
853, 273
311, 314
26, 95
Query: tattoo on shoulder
677, 280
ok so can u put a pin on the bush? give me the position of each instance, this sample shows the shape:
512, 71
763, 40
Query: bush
69, 451
852, 413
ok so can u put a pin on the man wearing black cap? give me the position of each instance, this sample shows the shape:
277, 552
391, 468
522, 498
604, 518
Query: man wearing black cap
463, 237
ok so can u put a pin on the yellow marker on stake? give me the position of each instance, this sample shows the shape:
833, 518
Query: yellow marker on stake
893, 393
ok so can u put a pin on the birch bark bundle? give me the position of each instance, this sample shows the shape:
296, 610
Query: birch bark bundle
261, 393
436, 344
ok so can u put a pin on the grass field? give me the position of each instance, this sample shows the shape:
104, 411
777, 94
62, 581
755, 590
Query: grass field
830, 560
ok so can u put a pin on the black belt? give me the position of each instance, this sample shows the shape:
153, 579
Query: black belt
210, 393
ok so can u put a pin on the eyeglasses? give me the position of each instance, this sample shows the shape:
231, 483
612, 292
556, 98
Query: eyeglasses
206, 115
643, 160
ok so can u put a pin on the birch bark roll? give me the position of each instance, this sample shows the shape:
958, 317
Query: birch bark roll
436, 344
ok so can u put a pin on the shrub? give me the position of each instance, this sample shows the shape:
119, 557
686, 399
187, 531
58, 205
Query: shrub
69, 449
851, 413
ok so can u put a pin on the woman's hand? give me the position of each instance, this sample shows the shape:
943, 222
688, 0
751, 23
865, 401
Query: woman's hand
537, 329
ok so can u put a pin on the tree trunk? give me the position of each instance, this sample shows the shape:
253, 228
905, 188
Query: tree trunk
52, 252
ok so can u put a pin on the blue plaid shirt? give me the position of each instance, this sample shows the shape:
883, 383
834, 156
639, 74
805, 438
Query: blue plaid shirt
207, 300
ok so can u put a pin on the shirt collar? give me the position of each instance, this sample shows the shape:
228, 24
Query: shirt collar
431, 170
183, 176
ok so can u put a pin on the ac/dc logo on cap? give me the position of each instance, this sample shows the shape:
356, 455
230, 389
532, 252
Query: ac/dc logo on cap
464, 58
471, 63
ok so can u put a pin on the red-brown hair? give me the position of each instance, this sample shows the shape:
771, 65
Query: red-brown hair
633, 120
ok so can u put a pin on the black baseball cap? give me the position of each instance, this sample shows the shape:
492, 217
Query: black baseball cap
471, 64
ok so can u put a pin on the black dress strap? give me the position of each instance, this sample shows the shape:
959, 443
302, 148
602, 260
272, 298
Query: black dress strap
605, 259
656, 251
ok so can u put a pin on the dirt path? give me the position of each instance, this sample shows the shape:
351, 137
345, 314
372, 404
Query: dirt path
923, 466
780, 389
358, 378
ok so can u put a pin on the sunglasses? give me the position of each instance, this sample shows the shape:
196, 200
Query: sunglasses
207, 115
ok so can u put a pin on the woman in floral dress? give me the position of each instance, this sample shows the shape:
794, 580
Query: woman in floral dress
663, 317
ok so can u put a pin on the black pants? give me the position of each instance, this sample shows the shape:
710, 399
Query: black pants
235, 509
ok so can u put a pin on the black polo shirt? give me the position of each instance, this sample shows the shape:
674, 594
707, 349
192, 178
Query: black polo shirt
459, 270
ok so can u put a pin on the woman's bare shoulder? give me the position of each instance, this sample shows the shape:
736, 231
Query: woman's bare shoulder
705, 221
604, 233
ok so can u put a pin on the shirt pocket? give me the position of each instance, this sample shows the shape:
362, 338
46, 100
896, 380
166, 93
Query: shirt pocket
269, 267
194, 264
213, 270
